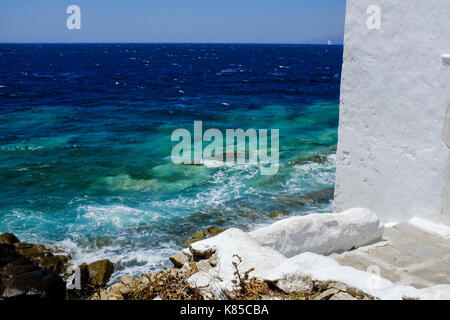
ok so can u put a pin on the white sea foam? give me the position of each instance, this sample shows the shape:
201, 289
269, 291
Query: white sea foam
319, 174
131, 260
213, 163
118, 216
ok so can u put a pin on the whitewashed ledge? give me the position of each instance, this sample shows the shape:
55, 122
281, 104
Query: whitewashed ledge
291, 255
321, 233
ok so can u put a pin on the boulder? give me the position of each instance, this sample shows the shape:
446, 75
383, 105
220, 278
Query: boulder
100, 272
225, 248
8, 238
92, 277
21, 279
178, 260
43, 257
321, 233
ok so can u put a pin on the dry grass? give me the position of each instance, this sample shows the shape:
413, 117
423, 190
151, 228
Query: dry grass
169, 284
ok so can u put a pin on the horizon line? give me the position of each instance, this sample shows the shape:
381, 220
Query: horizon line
233, 43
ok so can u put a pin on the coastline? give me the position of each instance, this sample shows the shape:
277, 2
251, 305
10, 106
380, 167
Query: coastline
294, 258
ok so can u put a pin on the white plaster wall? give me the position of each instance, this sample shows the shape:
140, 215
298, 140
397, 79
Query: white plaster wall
446, 209
395, 93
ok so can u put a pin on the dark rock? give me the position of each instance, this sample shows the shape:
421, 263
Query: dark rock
315, 197
276, 213
21, 279
8, 254
321, 196
43, 257
8, 238
312, 158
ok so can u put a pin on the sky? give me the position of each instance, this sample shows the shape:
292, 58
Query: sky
204, 21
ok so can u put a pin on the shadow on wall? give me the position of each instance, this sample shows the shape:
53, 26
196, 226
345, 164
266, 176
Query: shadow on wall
446, 210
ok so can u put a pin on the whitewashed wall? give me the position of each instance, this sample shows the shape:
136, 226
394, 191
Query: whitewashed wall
392, 156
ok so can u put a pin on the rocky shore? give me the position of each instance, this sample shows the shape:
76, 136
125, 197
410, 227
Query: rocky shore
33, 271
289, 259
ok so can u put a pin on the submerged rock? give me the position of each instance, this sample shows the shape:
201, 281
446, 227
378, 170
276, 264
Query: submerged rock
314, 197
316, 158
276, 213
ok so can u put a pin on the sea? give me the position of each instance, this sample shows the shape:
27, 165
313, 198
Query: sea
85, 143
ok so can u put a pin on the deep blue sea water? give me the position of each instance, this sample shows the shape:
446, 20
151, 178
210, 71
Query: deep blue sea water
85, 142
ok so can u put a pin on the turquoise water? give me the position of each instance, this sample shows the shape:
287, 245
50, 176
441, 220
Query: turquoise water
85, 143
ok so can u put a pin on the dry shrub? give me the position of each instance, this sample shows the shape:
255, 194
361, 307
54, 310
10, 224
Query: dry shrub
169, 284
247, 288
